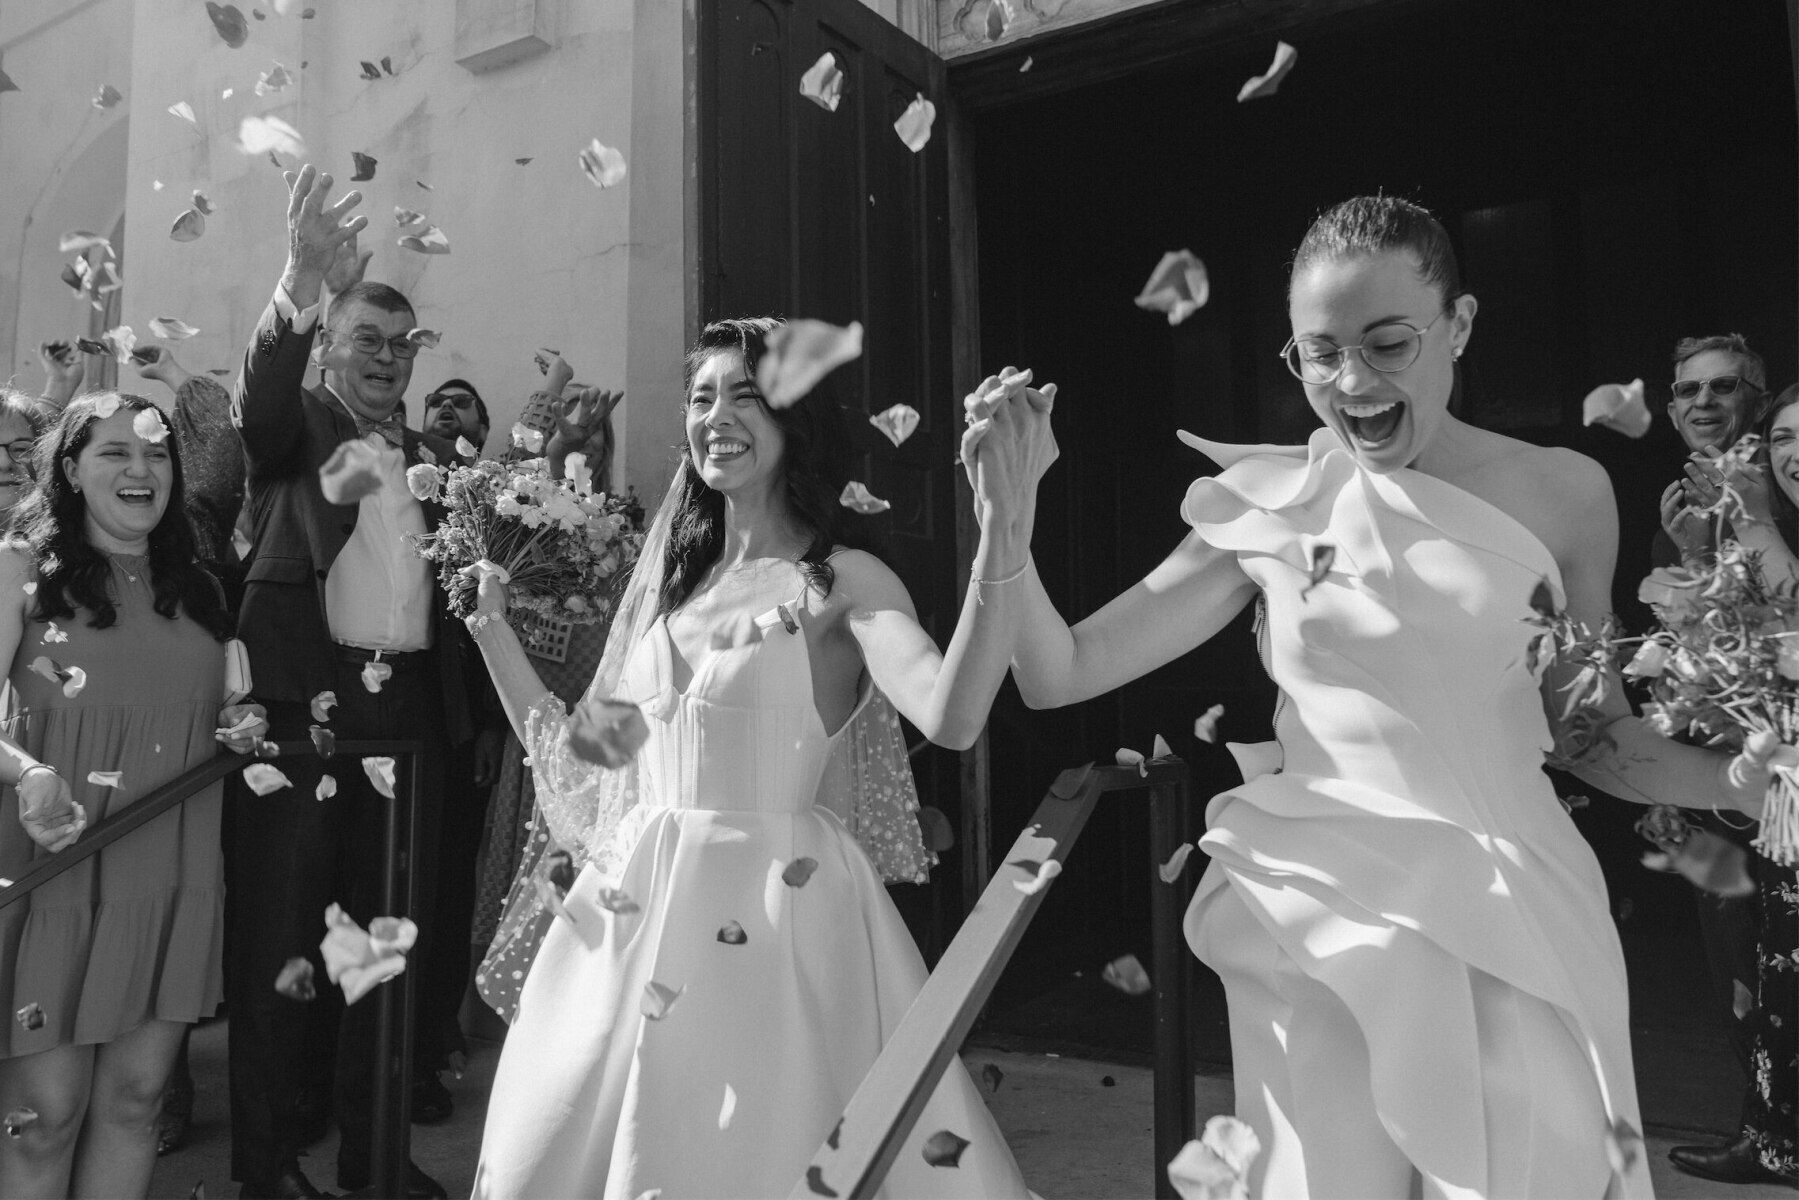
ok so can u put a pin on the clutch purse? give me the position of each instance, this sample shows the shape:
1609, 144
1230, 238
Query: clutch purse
238, 683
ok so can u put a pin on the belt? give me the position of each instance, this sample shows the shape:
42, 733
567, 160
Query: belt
399, 660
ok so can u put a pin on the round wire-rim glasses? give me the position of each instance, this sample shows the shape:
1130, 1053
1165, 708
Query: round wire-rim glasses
1388, 348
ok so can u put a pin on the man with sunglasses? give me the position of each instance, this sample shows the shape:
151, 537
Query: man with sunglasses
1719, 394
337, 607
456, 410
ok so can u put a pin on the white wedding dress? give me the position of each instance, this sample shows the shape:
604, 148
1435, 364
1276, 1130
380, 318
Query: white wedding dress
775, 994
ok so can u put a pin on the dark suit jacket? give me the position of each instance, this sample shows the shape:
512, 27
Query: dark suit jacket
289, 431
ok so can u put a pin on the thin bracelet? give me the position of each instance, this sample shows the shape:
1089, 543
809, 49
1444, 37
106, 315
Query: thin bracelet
478, 622
978, 583
36, 766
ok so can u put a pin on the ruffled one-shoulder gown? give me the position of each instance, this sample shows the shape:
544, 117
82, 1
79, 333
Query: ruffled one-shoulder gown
706, 1043
1418, 953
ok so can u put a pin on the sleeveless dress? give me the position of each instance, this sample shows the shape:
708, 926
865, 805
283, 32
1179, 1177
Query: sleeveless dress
1406, 873
136, 932
704, 1040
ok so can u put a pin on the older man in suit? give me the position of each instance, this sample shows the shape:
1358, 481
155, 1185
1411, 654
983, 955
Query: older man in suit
335, 602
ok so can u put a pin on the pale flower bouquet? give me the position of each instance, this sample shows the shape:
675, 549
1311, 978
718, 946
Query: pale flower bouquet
556, 543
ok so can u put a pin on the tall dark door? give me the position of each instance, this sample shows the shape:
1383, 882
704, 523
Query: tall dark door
811, 213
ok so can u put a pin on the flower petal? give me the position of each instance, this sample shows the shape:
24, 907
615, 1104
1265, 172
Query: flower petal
269, 135
1179, 286
296, 980
18, 1120
380, 771
798, 872
185, 111
1127, 975
800, 353
322, 704
229, 21
148, 424
105, 779
107, 96
265, 778
857, 498
1619, 407
992, 1076
431, 241
914, 125
728, 1109
374, 675
275, 79
1040, 873
1177, 862
327, 788
732, 934
1261, 86
944, 1149
171, 328
30, 1017
1126, 757
898, 422
365, 166
658, 999
607, 732
823, 82
603, 166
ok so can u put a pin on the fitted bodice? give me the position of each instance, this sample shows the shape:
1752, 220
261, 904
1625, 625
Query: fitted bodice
744, 735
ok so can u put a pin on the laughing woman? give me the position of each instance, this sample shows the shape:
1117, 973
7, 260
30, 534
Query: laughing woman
1426, 989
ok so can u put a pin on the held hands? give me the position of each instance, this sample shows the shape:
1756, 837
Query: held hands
315, 231
241, 726
1749, 480
1008, 444
1743, 780
48, 811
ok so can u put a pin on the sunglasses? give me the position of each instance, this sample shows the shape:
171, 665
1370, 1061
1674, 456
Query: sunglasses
460, 400
1720, 385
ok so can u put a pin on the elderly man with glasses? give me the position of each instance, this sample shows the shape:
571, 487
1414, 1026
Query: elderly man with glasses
346, 629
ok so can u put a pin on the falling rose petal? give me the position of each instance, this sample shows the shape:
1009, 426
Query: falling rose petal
365, 166
107, 96
356, 960
1618, 407
428, 338
1041, 873
74, 680
275, 79
607, 732
1026, 64
405, 216
914, 125
616, 900
559, 869
120, 341
227, 93
465, 448
1199, 1173
944, 1149
1126, 757
295, 980
728, 1109
1260, 87
823, 82
52, 634
658, 999
323, 740
1160, 748
1709, 862
857, 498
204, 205
392, 935
31, 588
264, 135
229, 22
148, 424
188, 226
815, 1180
1177, 862
431, 241
992, 1076
380, 771
732, 934
105, 779
1205, 726
423, 184
1127, 975
798, 872
156, 185
387, 64
265, 779
1233, 1141
75, 279
30, 1017
1322, 556
522, 161
327, 788
352, 472
1742, 1001
171, 328
370, 70
49, 668
802, 352
898, 422
1179, 286
185, 111
19, 1120
6, 83
107, 405
322, 704
528, 439
999, 16
603, 166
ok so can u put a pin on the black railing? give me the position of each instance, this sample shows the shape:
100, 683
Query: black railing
393, 1044
854, 1160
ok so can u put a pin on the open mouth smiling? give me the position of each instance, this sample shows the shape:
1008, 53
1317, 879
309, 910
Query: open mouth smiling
1374, 423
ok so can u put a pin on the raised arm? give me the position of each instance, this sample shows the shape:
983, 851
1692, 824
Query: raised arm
266, 407
47, 811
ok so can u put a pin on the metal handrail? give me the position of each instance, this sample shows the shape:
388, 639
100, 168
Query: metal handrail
854, 1160
393, 1040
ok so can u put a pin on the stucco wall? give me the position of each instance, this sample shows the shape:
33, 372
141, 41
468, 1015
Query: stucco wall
540, 257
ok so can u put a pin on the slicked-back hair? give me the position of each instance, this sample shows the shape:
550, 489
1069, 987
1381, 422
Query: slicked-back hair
1754, 369
1369, 225
814, 467
72, 571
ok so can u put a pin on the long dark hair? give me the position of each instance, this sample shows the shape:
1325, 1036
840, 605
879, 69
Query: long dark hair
814, 467
72, 572
1786, 516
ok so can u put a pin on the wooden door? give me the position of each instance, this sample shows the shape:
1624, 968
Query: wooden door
811, 213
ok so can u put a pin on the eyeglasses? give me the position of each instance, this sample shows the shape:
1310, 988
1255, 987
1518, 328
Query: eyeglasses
371, 343
1386, 348
19, 451
462, 400
1720, 385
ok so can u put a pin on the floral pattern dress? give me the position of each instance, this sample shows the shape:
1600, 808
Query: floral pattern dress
1771, 1122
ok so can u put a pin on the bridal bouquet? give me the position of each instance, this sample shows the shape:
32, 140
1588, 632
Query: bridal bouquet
556, 543
1721, 665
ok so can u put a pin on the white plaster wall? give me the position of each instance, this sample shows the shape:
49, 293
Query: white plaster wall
62, 161
540, 257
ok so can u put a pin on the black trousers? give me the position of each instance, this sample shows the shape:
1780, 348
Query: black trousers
443, 978
292, 855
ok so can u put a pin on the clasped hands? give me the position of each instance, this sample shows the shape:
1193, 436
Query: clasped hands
1008, 444
1686, 501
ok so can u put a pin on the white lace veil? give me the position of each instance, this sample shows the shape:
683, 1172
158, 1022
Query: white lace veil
580, 807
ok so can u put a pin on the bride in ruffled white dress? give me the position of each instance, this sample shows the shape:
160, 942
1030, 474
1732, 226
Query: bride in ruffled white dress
727, 965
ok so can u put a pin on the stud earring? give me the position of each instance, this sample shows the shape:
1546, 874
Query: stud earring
1456, 353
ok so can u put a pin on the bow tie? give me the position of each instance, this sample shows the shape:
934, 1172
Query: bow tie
390, 429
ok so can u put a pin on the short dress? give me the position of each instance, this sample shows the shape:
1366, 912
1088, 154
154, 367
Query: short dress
136, 932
